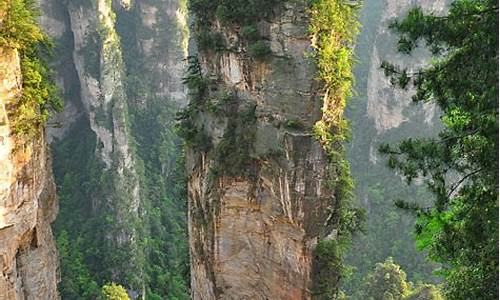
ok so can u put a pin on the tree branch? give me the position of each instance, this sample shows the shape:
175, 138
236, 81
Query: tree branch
457, 184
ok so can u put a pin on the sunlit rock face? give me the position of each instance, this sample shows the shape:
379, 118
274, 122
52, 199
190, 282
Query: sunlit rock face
28, 204
252, 236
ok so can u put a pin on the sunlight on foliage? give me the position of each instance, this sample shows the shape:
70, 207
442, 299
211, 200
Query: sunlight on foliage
20, 31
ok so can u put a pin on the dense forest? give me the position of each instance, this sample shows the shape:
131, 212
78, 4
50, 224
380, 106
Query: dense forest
249, 149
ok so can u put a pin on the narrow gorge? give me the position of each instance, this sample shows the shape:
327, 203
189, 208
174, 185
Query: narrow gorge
116, 157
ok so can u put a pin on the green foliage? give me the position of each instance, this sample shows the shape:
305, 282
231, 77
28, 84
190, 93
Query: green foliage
293, 124
93, 200
425, 292
198, 87
327, 269
388, 230
73, 169
232, 12
159, 158
208, 40
333, 27
259, 49
232, 154
461, 165
20, 31
114, 291
387, 282
82, 286
250, 32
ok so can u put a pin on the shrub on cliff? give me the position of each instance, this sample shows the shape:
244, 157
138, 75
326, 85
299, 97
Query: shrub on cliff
259, 50
114, 291
19, 30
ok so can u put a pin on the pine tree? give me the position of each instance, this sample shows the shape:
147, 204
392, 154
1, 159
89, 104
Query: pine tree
460, 166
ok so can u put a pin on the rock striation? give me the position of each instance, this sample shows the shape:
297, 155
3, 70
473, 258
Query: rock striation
258, 192
28, 203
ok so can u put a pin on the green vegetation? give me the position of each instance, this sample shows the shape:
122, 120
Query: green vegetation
327, 265
232, 154
425, 292
388, 282
73, 266
208, 40
159, 157
293, 124
114, 292
250, 32
233, 13
74, 167
259, 49
460, 166
94, 200
333, 28
198, 87
19, 26
387, 230
20, 31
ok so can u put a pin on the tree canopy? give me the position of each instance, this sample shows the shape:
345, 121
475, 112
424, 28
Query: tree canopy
114, 292
388, 282
460, 166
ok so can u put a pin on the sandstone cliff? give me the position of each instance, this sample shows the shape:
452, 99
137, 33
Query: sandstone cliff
258, 190
28, 203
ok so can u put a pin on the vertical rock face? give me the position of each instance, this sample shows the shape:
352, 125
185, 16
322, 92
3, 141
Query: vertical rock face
258, 196
384, 106
28, 204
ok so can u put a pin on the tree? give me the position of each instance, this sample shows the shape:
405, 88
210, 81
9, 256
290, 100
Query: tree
78, 284
114, 291
460, 166
386, 282
425, 292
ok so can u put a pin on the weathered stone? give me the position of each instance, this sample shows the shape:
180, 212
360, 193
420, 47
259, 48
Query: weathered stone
252, 237
28, 204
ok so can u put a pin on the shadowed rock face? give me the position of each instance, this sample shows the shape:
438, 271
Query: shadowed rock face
28, 204
387, 106
252, 236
